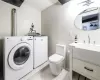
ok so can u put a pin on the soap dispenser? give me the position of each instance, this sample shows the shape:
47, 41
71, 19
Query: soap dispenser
75, 38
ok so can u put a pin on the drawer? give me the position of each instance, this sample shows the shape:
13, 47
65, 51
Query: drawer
86, 69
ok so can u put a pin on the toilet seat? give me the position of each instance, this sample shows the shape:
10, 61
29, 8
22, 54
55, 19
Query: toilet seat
56, 58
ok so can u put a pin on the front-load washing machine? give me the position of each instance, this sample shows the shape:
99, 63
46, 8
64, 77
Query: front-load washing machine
18, 57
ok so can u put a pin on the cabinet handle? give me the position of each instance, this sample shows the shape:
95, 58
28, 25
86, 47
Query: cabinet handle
88, 69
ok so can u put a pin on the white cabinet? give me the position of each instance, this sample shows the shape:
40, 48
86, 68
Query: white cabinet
87, 55
86, 60
40, 50
87, 69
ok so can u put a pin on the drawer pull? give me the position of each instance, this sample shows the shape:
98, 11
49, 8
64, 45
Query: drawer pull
88, 69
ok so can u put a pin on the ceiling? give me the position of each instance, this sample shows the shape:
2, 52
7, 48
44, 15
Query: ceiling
41, 4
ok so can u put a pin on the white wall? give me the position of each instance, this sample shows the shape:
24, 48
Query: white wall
73, 10
58, 24
41, 4
26, 15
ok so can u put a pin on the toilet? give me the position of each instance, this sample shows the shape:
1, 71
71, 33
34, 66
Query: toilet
56, 61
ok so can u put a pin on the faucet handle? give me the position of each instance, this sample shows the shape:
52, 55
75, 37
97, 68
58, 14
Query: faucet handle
94, 42
84, 41
88, 39
88, 36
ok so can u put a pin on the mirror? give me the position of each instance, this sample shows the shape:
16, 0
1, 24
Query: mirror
88, 19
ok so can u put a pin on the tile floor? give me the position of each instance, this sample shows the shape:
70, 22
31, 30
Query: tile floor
45, 74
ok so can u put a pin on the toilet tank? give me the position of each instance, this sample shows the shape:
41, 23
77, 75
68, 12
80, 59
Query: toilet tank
61, 49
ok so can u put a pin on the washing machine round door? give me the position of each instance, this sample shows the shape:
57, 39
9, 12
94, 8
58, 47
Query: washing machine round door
19, 56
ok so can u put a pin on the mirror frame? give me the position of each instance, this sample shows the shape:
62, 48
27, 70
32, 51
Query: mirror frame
84, 11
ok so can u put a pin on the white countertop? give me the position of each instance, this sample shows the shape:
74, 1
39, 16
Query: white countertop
91, 47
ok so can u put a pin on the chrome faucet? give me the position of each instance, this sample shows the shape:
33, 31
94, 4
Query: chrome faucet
88, 39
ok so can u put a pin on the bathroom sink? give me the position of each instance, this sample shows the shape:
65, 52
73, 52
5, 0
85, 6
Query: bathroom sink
91, 47
87, 52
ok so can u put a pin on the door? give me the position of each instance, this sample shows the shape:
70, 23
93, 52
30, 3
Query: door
19, 56
40, 50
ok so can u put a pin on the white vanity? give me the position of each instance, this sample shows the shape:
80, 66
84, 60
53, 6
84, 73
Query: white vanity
86, 60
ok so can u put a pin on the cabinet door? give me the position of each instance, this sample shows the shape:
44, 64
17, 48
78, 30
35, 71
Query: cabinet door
40, 50
86, 69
